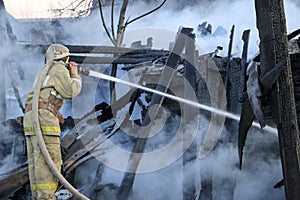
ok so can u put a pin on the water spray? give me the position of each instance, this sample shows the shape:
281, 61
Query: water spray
88, 72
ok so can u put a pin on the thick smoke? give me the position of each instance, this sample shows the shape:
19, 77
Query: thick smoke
218, 13
262, 167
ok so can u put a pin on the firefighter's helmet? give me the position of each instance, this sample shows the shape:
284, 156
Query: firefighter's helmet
56, 51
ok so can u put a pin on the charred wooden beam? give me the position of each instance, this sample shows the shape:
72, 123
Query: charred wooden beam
228, 58
290, 36
271, 24
3, 96
249, 115
99, 49
245, 38
86, 49
70, 138
108, 60
92, 54
129, 58
17, 178
206, 188
112, 84
112, 50
163, 84
189, 115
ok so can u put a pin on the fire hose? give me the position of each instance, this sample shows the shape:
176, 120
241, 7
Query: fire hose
40, 139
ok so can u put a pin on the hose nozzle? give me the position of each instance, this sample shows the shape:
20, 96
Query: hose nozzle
83, 71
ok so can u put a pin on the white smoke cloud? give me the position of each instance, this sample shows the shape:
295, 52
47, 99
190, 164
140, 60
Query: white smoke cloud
261, 168
240, 13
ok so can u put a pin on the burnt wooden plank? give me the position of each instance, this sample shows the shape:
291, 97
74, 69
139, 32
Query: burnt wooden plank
109, 60
14, 180
271, 24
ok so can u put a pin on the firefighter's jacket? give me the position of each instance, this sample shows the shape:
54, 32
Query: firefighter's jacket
57, 86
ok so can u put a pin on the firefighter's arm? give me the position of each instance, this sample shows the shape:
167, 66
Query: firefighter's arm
68, 83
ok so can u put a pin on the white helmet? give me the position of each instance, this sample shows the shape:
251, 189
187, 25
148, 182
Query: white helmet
56, 51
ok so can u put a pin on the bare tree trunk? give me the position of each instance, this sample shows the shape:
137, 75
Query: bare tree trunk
121, 24
118, 40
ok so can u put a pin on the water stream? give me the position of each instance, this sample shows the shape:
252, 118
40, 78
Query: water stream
186, 101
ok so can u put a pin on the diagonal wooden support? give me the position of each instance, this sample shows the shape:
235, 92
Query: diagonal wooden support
164, 82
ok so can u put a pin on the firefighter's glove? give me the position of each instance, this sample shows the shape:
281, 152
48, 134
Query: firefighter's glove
73, 68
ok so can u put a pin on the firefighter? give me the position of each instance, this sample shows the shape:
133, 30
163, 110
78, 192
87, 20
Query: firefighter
60, 83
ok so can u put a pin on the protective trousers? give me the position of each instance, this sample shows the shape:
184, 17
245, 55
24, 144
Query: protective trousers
42, 182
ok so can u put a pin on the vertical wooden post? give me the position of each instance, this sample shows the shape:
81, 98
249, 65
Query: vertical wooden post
245, 38
3, 93
228, 58
189, 181
205, 192
3, 43
271, 24
112, 84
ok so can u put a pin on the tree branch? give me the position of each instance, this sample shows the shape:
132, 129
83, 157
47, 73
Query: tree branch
72, 7
147, 13
112, 20
104, 24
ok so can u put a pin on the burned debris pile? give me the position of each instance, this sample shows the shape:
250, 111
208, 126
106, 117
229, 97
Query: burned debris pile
149, 63
209, 80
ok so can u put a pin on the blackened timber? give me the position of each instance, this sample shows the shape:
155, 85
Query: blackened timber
242, 133
293, 34
271, 24
290, 36
84, 49
228, 58
112, 50
134, 57
3, 95
109, 60
163, 84
245, 38
206, 188
189, 115
112, 83
17, 177
98, 49
134, 53
107, 110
